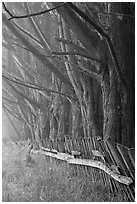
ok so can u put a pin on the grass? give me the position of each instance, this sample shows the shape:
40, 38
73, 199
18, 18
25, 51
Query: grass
43, 180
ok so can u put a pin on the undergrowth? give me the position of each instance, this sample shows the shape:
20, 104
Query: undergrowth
42, 179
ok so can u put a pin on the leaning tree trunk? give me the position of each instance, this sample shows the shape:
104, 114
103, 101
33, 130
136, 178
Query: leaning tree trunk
74, 77
118, 97
126, 46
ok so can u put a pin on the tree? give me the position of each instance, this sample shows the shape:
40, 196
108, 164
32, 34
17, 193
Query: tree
85, 53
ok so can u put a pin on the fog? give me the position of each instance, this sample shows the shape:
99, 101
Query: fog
7, 129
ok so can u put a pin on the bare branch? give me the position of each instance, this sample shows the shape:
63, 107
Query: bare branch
108, 42
21, 47
37, 53
85, 162
33, 86
76, 53
28, 34
115, 14
29, 15
7, 9
18, 117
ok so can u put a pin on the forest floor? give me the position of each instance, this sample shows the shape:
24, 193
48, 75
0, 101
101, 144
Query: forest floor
43, 179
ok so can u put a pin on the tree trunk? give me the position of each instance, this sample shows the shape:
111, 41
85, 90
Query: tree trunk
118, 100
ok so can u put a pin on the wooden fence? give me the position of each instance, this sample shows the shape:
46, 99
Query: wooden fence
115, 154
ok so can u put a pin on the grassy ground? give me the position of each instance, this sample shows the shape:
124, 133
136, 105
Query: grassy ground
43, 180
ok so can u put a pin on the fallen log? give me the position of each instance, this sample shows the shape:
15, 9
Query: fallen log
87, 162
97, 164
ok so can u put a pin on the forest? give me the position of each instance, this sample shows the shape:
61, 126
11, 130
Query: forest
68, 86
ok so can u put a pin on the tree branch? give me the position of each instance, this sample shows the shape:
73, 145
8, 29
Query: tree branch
76, 53
28, 34
33, 86
21, 47
37, 53
83, 70
29, 15
119, 15
107, 39
18, 117
85, 162
34, 102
